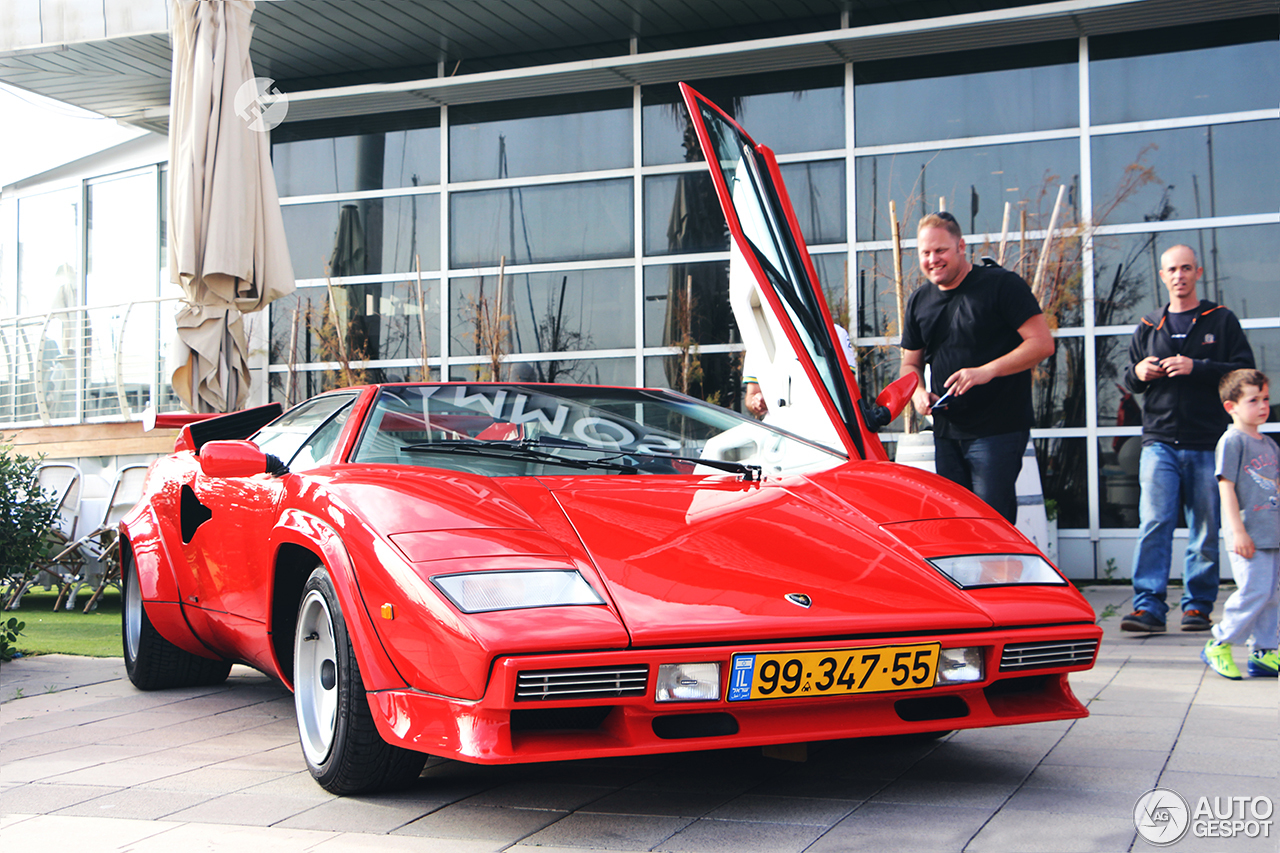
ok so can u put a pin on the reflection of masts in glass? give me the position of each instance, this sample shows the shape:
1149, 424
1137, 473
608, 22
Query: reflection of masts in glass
515, 196
875, 183
1163, 211
687, 330
1213, 211
1195, 192
924, 195
1209, 261
815, 200
867, 326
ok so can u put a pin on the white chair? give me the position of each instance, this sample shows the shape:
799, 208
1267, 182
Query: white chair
63, 480
98, 550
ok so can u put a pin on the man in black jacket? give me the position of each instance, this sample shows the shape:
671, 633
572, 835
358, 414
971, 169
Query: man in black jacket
1176, 358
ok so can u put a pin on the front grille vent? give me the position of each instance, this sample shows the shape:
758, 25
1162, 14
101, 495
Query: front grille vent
1039, 655
597, 683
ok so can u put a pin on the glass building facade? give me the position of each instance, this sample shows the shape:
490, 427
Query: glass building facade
576, 237
86, 306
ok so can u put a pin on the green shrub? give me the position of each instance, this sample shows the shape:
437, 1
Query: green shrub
9, 632
27, 514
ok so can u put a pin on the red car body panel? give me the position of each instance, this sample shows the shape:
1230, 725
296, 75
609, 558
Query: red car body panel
691, 569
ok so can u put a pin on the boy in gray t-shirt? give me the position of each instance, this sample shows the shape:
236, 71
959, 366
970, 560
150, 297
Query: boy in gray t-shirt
1247, 471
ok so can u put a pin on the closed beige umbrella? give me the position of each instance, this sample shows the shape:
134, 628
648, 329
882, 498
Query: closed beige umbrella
227, 245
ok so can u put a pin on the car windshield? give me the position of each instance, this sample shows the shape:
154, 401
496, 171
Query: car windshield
532, 430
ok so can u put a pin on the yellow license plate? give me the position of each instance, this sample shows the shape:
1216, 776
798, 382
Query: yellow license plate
791, 675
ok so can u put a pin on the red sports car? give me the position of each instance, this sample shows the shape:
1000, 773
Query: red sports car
514, 573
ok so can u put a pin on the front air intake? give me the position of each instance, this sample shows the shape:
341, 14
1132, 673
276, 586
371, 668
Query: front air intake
1020, 656
596, 683
680, 726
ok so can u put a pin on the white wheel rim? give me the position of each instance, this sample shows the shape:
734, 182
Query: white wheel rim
315, 665
132, 612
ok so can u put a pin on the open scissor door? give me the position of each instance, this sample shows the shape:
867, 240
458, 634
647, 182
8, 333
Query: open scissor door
792, 347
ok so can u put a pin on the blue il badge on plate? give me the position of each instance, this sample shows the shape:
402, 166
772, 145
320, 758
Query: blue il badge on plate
740, 677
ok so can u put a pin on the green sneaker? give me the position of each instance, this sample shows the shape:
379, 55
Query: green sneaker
1218, 656
1264, 663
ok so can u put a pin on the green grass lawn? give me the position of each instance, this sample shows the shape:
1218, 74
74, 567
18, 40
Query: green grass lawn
73, 632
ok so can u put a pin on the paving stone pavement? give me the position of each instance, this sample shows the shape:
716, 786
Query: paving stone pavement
88, 763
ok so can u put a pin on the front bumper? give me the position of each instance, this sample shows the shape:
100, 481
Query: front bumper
499, 729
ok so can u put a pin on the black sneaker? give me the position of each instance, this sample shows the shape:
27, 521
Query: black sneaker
1195, 620
1142, 621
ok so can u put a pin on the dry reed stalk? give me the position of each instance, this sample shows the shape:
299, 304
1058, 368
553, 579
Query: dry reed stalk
340, 335
900, 293
293, 358
1022, 240
1037, 286
1004, 233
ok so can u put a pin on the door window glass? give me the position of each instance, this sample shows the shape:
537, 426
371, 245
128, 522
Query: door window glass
287, 434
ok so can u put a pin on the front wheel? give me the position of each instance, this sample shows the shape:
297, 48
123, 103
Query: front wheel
344, 751
152, 662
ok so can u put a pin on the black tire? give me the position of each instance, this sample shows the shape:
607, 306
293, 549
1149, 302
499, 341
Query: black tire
152, 662
339, 738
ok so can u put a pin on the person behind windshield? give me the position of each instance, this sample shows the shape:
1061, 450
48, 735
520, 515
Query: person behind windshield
752, 395
981, 331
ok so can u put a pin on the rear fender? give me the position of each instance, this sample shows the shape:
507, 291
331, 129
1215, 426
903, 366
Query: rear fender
308, 531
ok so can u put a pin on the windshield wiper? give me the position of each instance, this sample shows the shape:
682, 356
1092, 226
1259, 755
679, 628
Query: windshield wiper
525, 449
528, 449
750, 473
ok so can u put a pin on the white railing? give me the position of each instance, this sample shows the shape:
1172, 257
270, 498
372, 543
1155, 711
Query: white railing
99, 363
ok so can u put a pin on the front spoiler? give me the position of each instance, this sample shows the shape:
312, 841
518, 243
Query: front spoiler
496, 729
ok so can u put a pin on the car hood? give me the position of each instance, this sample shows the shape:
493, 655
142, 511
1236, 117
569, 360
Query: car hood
716, 562
697, 560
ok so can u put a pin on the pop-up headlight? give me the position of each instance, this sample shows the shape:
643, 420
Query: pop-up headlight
977, 570
480, 592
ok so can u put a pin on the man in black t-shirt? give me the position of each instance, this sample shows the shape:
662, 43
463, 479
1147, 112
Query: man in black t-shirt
981, 331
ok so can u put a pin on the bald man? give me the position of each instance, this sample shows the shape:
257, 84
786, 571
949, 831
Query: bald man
1177, 355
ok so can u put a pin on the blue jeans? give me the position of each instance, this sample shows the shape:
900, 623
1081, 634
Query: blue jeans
1170, 478
986, 466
